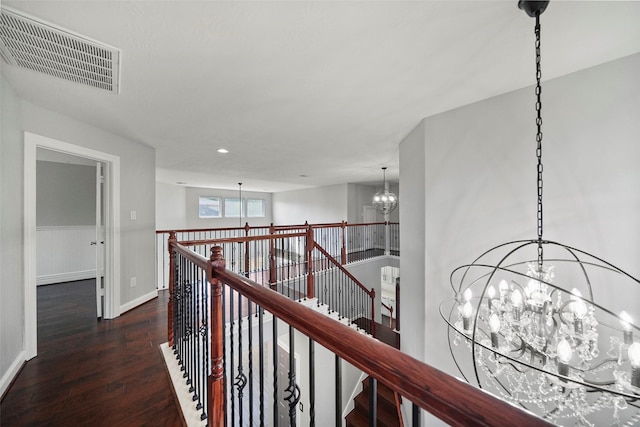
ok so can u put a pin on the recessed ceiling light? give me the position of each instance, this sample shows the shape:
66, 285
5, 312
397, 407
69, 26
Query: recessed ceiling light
223, 150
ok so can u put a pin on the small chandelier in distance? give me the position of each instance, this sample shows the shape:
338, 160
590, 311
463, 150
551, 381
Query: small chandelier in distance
385, 201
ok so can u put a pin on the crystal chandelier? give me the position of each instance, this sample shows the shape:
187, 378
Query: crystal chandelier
525, 326
385, 201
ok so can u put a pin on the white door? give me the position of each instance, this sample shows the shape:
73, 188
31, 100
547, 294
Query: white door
100, 239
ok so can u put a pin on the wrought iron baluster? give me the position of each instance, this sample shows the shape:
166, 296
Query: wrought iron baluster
226, 322
294, 391
231, 361
261, 359
312, 384
240, 379
274, 340
250, 363
338, 391
373, 402
415, 419
204, 333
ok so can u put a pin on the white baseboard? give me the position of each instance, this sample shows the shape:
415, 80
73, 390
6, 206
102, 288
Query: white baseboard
49, 279
138, 301
11, 373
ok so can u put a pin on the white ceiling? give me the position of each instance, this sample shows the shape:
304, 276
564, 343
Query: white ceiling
326, 89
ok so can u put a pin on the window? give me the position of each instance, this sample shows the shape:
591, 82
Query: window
255, 208
209, 207
232, 207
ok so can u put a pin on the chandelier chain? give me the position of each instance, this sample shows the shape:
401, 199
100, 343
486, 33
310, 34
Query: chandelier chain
539, 137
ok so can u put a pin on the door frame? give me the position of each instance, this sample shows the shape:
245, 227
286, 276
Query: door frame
112, 230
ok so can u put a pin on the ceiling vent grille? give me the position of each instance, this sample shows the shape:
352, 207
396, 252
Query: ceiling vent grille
29, 43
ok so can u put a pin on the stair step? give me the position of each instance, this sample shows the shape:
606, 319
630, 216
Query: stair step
357, 419
387, 415
384, 392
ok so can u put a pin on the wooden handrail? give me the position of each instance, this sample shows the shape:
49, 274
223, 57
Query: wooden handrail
195, 258
275, 227
448, 398
243, 239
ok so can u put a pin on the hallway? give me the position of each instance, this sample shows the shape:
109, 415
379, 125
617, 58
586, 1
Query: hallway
89, 372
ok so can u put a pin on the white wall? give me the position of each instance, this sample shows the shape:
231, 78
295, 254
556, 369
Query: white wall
316, 205
324, 380
11, 246
368, 273
66, 194
475, 170
137, 176
360, 195
137, 169
171, 205
412, 242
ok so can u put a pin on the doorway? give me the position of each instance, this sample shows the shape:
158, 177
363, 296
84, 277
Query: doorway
69, 221
111, 238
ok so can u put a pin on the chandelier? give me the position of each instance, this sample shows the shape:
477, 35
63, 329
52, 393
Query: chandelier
385, 201
524, 324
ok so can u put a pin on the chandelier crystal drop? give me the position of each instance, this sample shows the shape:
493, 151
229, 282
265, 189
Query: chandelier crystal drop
385, 201
524, 323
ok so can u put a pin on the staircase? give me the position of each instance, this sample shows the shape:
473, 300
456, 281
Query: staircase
387, 413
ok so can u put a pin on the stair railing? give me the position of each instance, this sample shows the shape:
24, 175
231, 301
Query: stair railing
340, 290
293, 263
241, 383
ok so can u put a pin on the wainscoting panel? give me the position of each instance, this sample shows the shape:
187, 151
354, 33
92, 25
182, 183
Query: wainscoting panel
65, 254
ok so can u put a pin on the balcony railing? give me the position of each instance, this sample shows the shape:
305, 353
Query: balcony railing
345, 242
258, 352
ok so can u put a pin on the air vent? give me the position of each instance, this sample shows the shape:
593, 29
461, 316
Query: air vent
28, 43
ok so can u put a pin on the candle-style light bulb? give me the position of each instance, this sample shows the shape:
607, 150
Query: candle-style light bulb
504, 288
467, 294
626, 321
564, 356
576, 292
494, 327
491, 294
467, 311
516, 301
634, 359
579, 309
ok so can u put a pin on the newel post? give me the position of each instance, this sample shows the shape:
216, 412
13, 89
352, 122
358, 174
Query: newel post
172, 278
343, 250
216, 377
310, 278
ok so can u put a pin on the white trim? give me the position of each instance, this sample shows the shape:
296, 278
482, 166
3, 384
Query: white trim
138, 301
49, 279
112, 209
190, 414
13, 370
350, 402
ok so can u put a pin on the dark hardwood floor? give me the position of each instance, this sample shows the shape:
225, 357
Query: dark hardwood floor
93, 373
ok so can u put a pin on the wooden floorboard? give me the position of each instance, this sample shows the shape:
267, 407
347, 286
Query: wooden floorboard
93, 373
